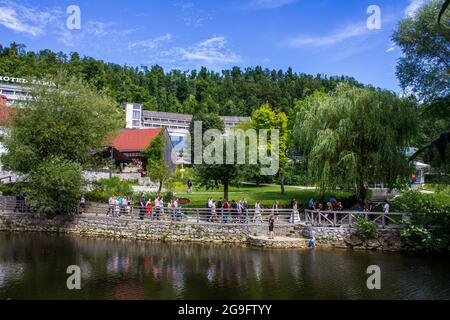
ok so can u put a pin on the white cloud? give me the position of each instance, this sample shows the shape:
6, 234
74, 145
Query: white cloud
352, 31
211, 52
184, 6
268, 4
27, 20
391, 48
152, 43
413, 6
90, 29
52, 21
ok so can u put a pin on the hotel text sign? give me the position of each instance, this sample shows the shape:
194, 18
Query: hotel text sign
24, 81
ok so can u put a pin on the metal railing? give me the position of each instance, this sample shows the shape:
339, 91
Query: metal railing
348, 218
227, 216
196, 215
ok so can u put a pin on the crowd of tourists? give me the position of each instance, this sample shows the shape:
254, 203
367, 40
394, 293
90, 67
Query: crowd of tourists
148, 208
331, 205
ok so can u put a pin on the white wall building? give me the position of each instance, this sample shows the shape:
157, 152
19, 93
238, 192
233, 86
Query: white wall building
15, 90
176, 124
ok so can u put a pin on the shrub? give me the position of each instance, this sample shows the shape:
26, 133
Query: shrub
430, 224
54, 187
103, 189
426, 208
364, 227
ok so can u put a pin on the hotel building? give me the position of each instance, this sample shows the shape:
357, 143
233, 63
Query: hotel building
176, 124
15, 90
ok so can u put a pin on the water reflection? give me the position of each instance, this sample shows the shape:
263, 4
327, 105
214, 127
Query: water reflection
34, 266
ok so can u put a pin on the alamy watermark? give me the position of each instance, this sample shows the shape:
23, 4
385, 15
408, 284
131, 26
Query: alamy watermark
374, 280
236, 147
74, 280
374, 20
73, 22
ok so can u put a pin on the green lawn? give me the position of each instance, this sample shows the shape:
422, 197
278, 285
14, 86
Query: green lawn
266, 194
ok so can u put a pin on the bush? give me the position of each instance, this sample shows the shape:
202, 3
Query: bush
429, 228
54, 187
364, 227
105, 188
428, 208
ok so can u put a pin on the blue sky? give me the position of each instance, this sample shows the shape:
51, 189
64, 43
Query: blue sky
314, 36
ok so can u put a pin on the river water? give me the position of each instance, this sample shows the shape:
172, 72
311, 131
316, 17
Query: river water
33, 266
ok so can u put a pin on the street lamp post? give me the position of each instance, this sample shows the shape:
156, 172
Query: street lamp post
111, 163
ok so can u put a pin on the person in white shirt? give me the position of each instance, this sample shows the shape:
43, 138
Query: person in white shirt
386, 212
157, 208
386, 208
257, 215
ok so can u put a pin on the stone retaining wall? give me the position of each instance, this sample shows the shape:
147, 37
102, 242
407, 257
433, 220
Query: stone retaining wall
101, 226
385, 240
93, 226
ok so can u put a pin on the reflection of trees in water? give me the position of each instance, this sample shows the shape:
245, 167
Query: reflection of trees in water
121, 269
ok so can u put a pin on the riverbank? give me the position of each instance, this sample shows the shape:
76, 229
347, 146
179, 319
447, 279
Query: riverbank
172, 231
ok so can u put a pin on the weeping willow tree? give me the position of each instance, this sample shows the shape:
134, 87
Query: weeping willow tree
355, 136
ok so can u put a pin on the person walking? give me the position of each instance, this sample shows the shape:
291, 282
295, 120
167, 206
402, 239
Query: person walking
213, 217
142, 204
234, 211
294, 208
116, 207
189, 185
157, 208
273, 218
125, 207
245, 211
225, 210
257, 215
275, 207
111, 202
120, 200
149, 209
386, 210
161, 209
82, 205
177, 210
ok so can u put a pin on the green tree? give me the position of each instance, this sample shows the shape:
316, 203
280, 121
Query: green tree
354, 136
157, 169
265, 118
425, 65
424, 70
212, 175
59, 128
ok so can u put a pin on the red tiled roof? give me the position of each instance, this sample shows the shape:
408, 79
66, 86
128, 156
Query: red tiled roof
135, 140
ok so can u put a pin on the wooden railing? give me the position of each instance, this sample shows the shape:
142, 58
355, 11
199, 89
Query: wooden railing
226, 216
348, 218
9, 179
198, 215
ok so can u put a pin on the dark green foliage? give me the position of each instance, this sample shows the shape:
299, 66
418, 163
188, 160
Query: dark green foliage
54, 187
354, 136
157, 169
435, 205
53, 139
212, 175
103, 189
231, 92
364, 227
429, 227
424, 69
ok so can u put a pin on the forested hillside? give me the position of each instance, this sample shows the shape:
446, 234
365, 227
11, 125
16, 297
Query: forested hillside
230, 92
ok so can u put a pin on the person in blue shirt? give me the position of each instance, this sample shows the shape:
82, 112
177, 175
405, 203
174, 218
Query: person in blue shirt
311, 203
120, 200
312, 243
